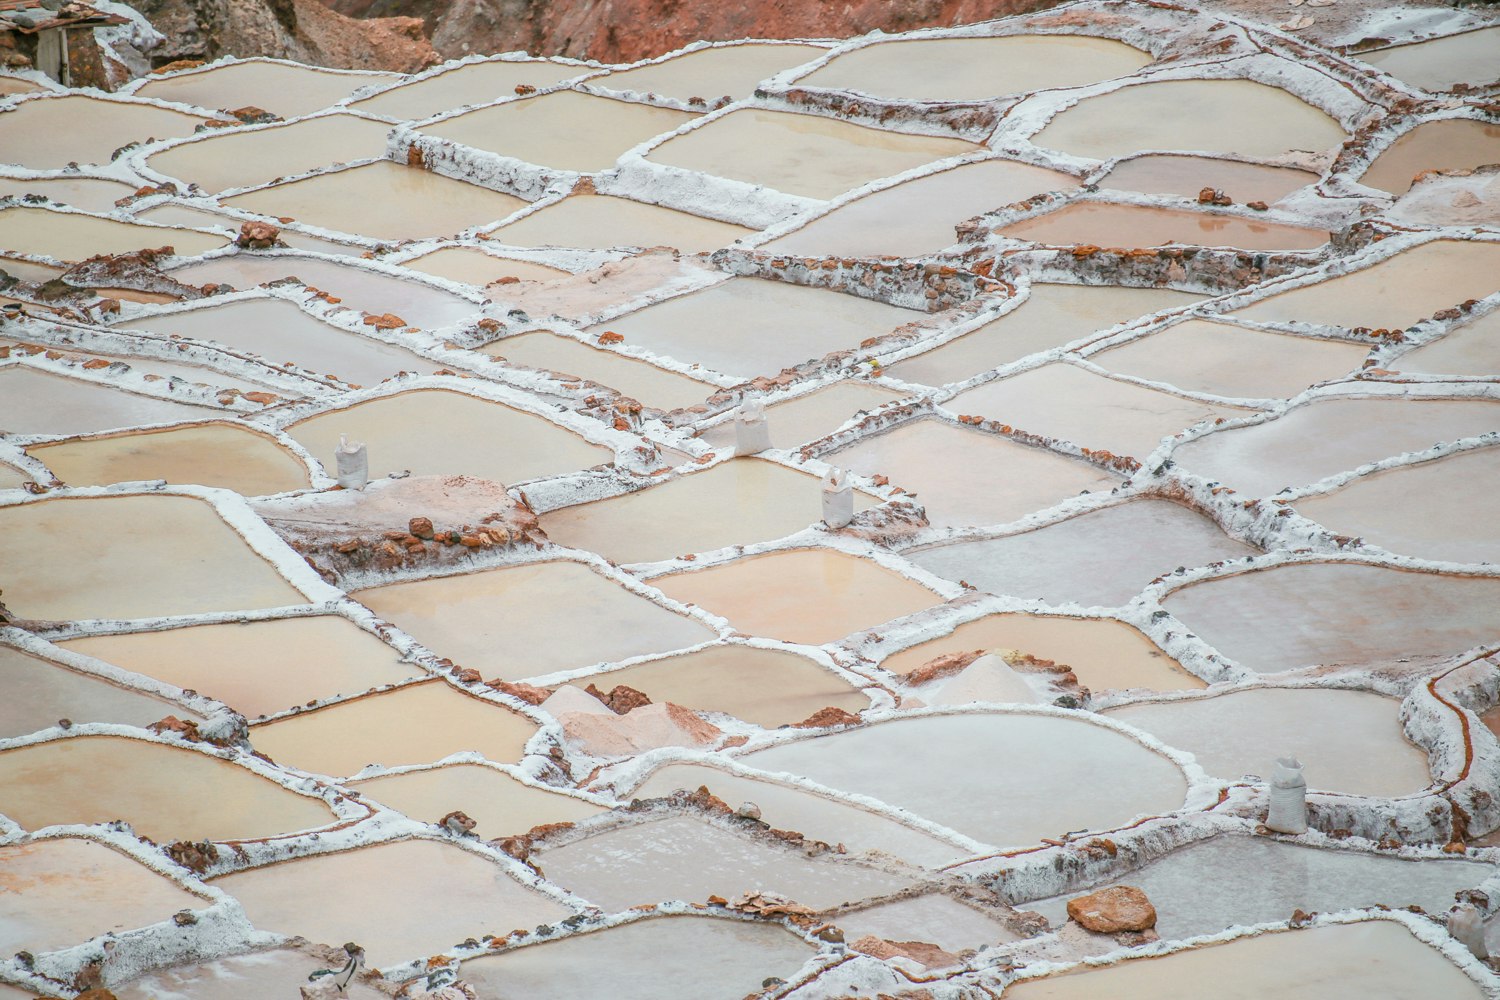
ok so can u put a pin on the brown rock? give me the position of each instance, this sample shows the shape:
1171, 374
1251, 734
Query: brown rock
172, 724
825, 718
1114, 910
421, 527
385, 321
258, 236
194, 857
529, 693
621, 699
457, 822
921, 952
943, 666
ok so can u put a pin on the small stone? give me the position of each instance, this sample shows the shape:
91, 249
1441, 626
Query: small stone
184, 918
748, 810
421, 527
457, 823
1114, 910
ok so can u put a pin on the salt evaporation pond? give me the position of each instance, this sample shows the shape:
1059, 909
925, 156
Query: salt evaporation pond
286, 90
474, 83
223, 455
598, 222
710, 73
1472, 348
236, 158
39, 693
642, 381
1108, 224
1449, 144
87, 193
33, 402
500, 804
1441, 63
475, 267
812, 415
265, 973
933, 917
1186, 176
71, 236
49, 133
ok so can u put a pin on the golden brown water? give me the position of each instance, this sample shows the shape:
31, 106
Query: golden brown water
1440, 63
224, 455
475, 267
477, 83
598, 222
71, 237
1454, 144
458, 617
164, 793
500, 804
1105, 224
1185, 176
49, 134
236, 159
640, 380
33, 402
257, 668
711, 73
801, 154
40, 692
283, 90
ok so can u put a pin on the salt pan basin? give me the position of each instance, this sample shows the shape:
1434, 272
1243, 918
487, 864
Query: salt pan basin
400, 900
1439, 63
69, 236
1450, 144
500, 804
275, 973
933, 917
474, 83
708, 73
239, 158
652, 386
1470, 349
1107, 224
33, 402
224, 455
287, 91
810, 416
981, 796
1185, 176
39, 693
48, 134
599, 222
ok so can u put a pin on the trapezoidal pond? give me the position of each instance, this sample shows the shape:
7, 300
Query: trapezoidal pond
39, 693
284, 89
601, 222
49, 133
708, 73
501, 804
473, 83
641, 380
228, 456
242, 158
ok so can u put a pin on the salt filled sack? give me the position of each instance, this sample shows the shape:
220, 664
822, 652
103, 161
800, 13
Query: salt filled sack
353, 464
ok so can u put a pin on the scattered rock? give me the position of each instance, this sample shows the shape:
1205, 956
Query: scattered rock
457, 823
827, 718
921, 952
621, 699
258, 236
1114, 910
529, 693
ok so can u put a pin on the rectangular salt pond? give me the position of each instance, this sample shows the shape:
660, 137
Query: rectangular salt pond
236, 158
39, 693
747, 326
599, 222
474, 83
799, 154
384, 200
69, 236
500, 804
86, 193
652, 386
1441, 63
33, 402
708, 74
475, 267
1185, 176
228, 456
1450, 144
810, 416
1121, 225
933, 917
49, 133
287, 91
274, 973
1470, 349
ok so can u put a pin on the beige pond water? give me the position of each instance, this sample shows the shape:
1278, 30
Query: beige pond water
399, 431
743, 501
385, 200
1376, 958
1470, 349
33, 402
1454, 144
400, 901
177, 553
417, 724
163, 792
173, 214
1317, 613
801, 154
966, 477
1105, 224
1216, 116
12, 478
748, 326
236, 158
72, 237
565, 129
811, 596
49, 133
458, 617
810, 416
59, 893
711, 73
987, 792
1394, 293
765, 686
257, 668
685, 858
39, 693
284, 90
16, 85
500, 804
640, 380
1185, 176
1440, 63
1104, 653
934, 917
1329, 436
1347, 741
87, 193
275, 973
657, 959
1102, 558
278, 331
788, 807
1051, 316
1204, 356
476, 83
1064, 401
972, 69
475, 267
918, 216
598, 222
225, 455
1452, 494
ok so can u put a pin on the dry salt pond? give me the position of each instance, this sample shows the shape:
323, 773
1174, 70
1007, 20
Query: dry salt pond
721, 526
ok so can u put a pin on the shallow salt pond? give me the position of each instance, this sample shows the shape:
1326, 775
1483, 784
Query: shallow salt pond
461, 617
1320, 613
500, 804
1065, 401
565, 129
39, 693
1217, 116
1204, 356
765, 686
384, 200
49, 133
811, 596
1452, 144
476, 83
641, 380
654, 959
163, 792
278, 332
68, 236
934, 918
918, 217
399, 432
1452, 494
1348, 741
1050, 316
1185, 176
59, 893
685, 858
475, 267
788, 807
287, 91
177, 553
87, 193
275, 973
1100, 558
711, 73
798, 154
747, 326
392, 728
1440, 63
742, 501
401, 900
33, 402
228, 456
599, 222
1329, 436
1106, 224
966, 477
257, 668
812, 415
996, 788
1470, 349
236, 158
